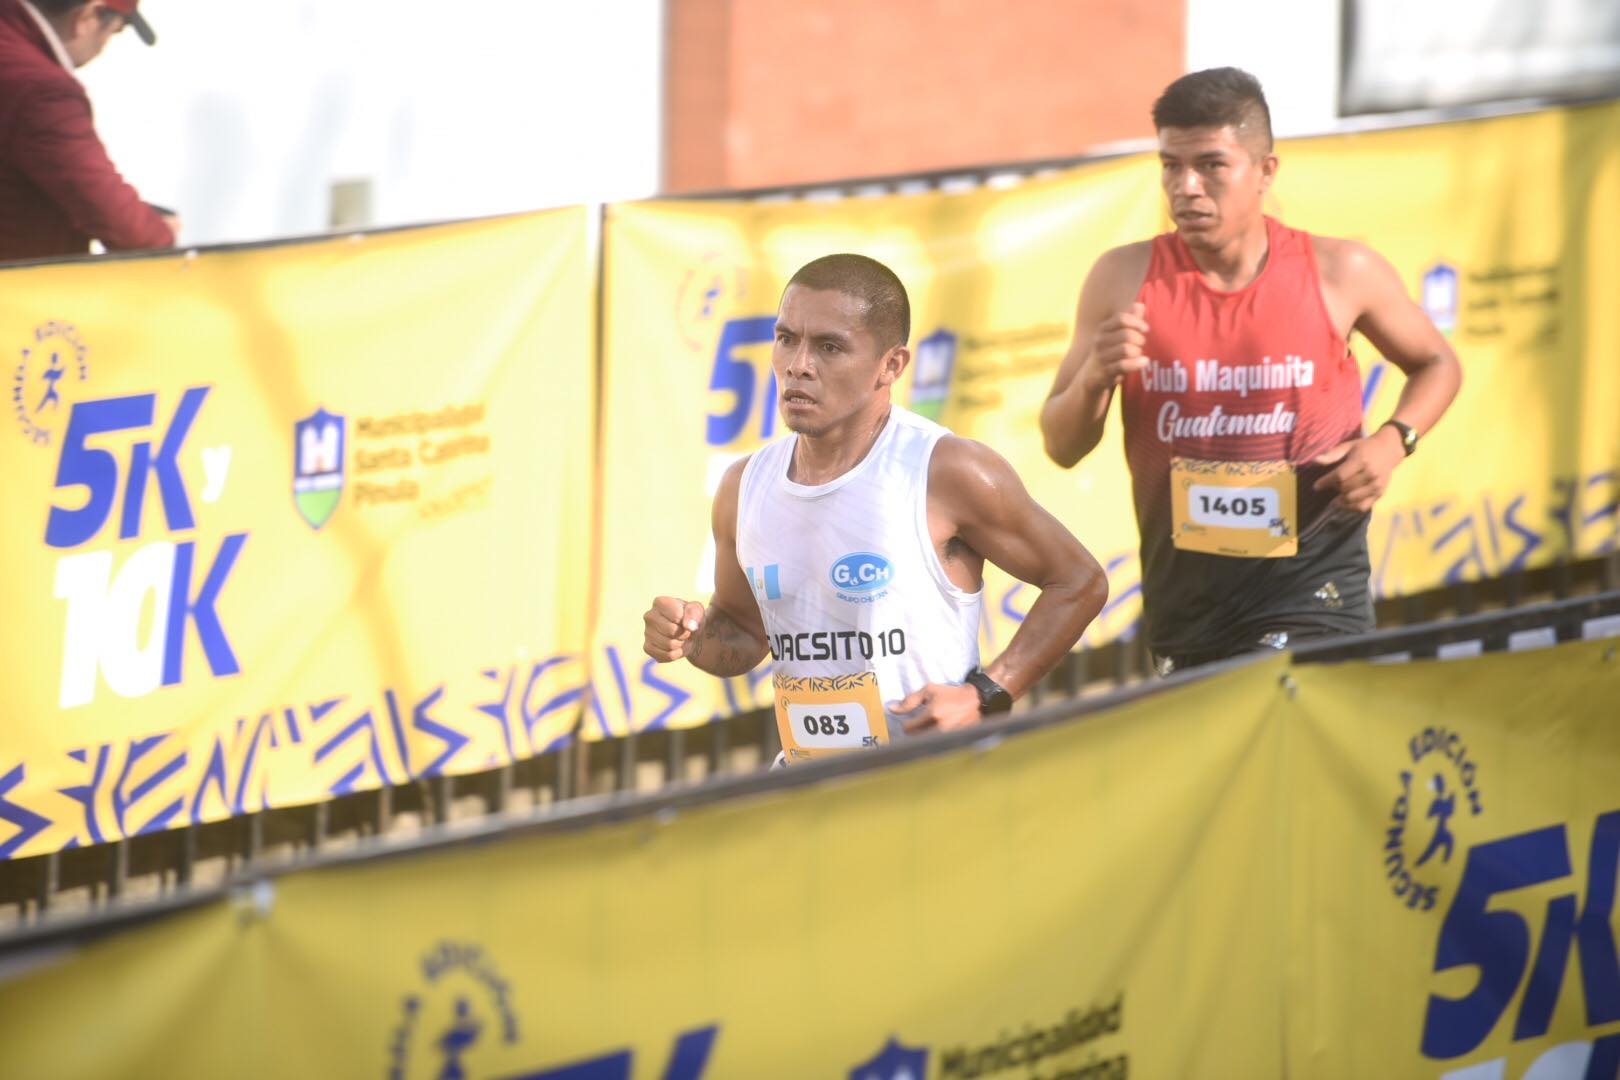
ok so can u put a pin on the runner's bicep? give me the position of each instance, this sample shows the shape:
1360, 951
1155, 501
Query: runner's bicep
1086, 322
1109, 287
998, 518
732, 592
1390, 320
1027, 542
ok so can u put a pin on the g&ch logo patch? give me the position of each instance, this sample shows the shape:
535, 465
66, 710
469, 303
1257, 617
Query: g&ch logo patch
861, 576
41, 383
1438, 794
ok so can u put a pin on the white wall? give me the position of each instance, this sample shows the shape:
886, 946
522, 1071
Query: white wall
1412, 54
1449, 52
1291, 46
242, 116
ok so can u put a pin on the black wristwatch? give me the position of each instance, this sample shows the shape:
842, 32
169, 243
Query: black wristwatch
993, 698
1408, 436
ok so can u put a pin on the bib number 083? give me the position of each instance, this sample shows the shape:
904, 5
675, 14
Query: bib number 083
823, 724
831, 725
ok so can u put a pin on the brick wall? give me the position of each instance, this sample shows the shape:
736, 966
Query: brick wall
762, 92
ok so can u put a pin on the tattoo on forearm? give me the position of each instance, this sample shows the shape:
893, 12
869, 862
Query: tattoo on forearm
721, 647
694, 648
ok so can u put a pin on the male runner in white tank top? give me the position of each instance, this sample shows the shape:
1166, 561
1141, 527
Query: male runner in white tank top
852, 551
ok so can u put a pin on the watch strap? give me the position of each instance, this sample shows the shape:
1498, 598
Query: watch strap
993, 697
1409, 436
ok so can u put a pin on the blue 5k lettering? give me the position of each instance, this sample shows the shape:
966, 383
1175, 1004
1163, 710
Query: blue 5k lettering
688, 1059
734, 375
1497, 942
105, 602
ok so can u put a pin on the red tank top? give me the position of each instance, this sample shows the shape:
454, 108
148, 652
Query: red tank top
1256, 374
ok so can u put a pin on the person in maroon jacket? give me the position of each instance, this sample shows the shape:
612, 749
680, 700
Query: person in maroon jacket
58, 188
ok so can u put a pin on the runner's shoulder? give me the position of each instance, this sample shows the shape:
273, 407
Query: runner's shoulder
729, 491
960, 465
1341, 259
1118, 273
1127, 258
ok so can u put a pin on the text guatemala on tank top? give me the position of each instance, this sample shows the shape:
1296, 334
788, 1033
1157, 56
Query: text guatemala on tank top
1255, 374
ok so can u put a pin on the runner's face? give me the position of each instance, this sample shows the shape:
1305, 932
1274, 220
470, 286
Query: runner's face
829, 367
1215, 184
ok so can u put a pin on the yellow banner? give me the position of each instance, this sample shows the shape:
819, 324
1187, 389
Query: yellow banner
1092, 901
1328, 871
1453, 833
1504, 230
418, 603
691, 296
289, 522
1500, 226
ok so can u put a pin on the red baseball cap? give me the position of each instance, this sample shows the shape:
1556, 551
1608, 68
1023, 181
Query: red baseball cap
126, 8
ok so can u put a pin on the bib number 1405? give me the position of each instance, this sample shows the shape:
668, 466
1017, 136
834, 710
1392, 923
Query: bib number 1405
1232, 509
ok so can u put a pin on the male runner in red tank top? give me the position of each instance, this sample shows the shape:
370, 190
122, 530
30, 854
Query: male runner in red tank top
1241, 402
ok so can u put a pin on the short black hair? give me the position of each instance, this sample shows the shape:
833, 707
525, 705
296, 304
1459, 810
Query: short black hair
888, 311
1216, 97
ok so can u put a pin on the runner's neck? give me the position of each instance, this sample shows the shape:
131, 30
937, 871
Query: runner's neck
1235, 264
821, 459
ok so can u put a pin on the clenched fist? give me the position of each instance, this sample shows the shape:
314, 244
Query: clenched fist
670, 625
1117, 351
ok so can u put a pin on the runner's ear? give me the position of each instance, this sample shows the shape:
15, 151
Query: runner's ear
893, 365
1268, 171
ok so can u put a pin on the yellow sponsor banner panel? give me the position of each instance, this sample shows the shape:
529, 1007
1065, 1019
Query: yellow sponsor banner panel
690, 303
1504, 230
1453, 834
1099, 899
1497, 226
288, 522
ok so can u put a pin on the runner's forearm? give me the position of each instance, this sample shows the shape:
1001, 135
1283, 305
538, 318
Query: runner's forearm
1055, 622
1072, 422
1428, 392
722, 647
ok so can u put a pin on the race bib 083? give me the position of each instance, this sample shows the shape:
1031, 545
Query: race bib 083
829, 714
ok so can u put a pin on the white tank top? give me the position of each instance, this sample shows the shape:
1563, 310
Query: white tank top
845, 573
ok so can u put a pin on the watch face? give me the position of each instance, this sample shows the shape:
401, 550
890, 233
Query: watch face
995, 700
992, 697
1409, 437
